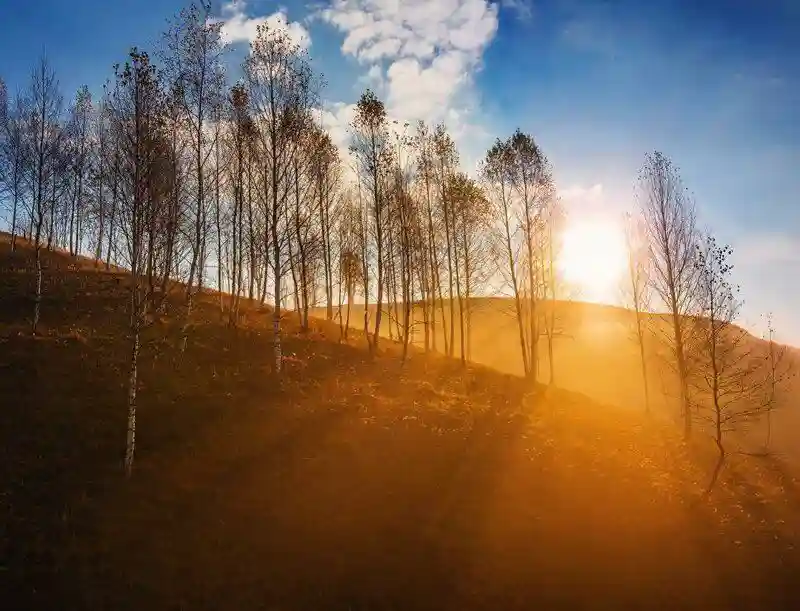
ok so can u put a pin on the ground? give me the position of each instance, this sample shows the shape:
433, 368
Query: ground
349, 482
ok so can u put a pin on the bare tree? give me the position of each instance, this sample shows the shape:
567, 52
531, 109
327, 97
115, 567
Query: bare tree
637, 291
193, 59
518, 179
533, 185
279, 81
12, 155
241, 136
373, 154
734, 383
78, 147
325, 172
496, 171
350, 268
424, 147
471, 212
778, 370
136, 107
551, 221
44, 138
445, 158
669, 222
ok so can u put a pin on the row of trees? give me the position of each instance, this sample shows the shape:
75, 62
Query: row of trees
726, 379
189, 180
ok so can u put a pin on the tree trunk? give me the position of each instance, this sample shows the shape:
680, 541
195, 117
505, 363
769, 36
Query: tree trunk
642, 357
130, 445
14, 218
38, 298
717, 468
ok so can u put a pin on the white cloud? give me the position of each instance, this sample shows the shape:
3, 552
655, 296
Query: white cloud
424, 51
336, 118
522, 8
374, 79
238, 27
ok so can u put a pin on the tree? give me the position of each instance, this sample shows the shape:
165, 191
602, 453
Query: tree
733, 384
78, 147
324, 171
552, 219
373, 155
496, 171
423, 145
194, 63
669, 225
350, 267
12, 154
637, 290
471, 214
778, 371
518, 178
532, 181
279, 80
445, 160
240, 138
136, 106
43, 141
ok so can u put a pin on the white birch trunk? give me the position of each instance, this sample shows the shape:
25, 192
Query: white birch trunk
130, 446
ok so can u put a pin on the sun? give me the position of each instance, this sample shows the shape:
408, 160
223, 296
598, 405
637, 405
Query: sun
593, 260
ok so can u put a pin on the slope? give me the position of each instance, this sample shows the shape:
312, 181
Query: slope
350, 482
596, 354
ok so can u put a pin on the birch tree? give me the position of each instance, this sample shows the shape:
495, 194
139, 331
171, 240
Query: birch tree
78, 149
734, 383
43, 141
12, 156
136, 106
194, 62
496, 173
279, 80
669, 225
637, 291
373, 154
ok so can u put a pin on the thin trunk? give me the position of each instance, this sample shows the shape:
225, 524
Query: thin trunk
515, 285
52, 219
14, 221
130, 444
642, 357
433, 259
218, 222
251, 230
532, 285
458, 291
720, 459
38, 298
447, 231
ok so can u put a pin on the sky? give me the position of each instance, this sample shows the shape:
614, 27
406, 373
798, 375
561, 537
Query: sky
713, 84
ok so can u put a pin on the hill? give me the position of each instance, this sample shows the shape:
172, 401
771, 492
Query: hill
596, 354
349, 482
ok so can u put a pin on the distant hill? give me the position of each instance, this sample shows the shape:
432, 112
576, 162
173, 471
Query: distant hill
595, 354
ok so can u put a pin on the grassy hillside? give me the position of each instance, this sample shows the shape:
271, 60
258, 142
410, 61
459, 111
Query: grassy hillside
596, 354
349, 482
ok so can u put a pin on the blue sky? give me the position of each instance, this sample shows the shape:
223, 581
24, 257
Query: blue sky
713, 84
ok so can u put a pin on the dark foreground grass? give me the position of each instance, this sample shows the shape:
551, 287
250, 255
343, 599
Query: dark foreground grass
349, 482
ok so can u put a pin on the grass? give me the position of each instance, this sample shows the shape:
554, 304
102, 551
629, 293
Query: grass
349, 482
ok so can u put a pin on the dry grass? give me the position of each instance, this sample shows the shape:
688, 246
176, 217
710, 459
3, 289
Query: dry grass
349, 482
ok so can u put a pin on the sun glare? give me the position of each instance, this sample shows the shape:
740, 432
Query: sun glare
593, 260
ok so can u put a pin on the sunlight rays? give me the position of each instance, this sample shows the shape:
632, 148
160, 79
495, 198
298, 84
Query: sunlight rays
592, 260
